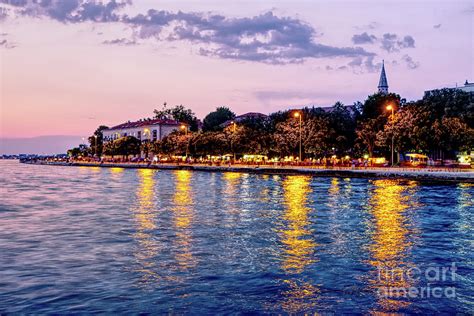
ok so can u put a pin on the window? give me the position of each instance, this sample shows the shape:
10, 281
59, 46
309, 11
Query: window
139, 135
155, 135
124, 134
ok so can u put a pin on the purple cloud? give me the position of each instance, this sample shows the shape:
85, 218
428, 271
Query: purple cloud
264, 38
410, 63
392, 43
363, 38
120, 41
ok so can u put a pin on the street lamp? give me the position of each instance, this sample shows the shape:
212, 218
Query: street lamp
298, 115
232, 143
95, 147
390, 108
185, 128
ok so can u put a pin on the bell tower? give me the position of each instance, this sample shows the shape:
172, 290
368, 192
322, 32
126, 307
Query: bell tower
383, 84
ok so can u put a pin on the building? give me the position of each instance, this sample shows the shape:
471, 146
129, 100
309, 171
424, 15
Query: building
468, 87
245, 117
250, 116
144, 130
383, 83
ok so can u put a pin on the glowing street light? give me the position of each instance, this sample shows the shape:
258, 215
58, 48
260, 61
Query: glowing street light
233, 131
185, 128
95, 143
390, 108
298, 115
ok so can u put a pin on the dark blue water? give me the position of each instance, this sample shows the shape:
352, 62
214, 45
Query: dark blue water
78, 239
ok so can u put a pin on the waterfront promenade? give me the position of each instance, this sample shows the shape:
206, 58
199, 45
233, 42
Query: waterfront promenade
421, 174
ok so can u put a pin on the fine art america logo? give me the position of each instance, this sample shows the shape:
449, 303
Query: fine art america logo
402, 283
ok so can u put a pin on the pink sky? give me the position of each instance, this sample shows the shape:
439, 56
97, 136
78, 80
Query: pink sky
58, 78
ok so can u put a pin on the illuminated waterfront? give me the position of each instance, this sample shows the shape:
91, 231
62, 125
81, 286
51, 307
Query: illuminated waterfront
100, 239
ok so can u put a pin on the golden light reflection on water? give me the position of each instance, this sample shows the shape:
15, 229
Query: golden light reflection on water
144, 215
232, 180
231, 191
183, 216
334, 188
88, 169
299, 246
297, 237
116, 170
389, 203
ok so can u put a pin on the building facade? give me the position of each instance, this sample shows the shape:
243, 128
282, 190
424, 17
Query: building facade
144, 130
468, 87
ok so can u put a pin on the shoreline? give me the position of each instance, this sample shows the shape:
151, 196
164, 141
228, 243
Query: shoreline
370, 173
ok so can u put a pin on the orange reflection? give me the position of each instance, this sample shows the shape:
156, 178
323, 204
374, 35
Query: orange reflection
389, 202
144, 215
334, 188
232, 179
297, 237
183, 216
90, 168
117, 170
299, 246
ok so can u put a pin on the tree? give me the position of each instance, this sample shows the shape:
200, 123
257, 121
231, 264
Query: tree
125, 146
342, 125
81, 151
315, 134
178, 113
213, 121
372, 118
375, 105
210, 143
176, 143
96, 141
450, 103
146, 147
367, 132
452, 134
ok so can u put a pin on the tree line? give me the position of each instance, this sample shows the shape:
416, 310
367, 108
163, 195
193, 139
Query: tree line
441, 124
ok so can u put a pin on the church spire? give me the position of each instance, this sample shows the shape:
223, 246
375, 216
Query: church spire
383, 84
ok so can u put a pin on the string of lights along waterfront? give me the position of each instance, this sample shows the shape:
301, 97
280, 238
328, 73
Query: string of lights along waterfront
87, 240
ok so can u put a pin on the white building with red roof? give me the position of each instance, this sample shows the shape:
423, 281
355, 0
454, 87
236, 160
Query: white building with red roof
144, 130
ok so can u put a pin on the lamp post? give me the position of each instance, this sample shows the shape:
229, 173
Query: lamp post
185, 128
95, 147
232, 142
298, 115
390, 108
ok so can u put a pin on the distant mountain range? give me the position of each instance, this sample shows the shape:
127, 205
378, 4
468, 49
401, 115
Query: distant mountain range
42, 145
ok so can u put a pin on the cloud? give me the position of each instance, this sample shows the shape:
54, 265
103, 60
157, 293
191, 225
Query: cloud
371, 26
265, 38
437, 26
392, 43
469, 10
69, 11
363, 38
364, 64
410, 63
6, 44
120, 41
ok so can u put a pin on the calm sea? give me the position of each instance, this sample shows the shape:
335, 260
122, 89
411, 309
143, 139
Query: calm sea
83, 240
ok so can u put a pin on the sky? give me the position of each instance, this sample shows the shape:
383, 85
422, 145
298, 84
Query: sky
68, 66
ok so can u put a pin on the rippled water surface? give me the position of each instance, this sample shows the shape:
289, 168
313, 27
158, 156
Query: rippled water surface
77, 239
